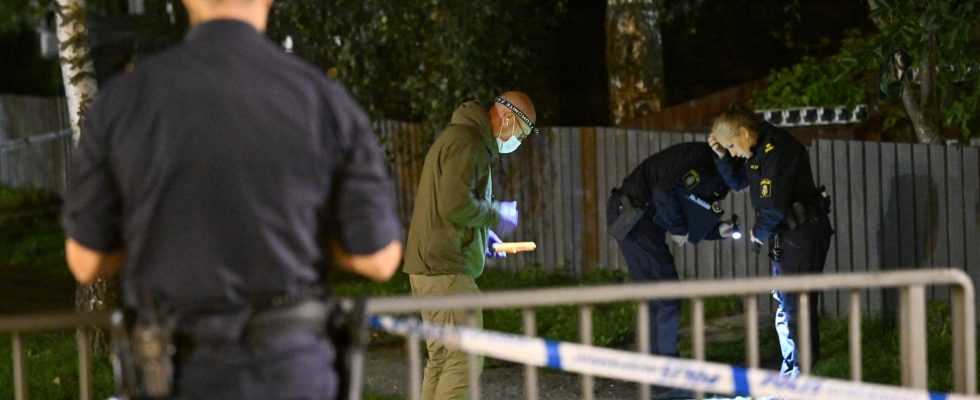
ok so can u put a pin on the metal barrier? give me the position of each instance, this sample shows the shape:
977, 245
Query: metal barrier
912, 325
18, 325
912, 318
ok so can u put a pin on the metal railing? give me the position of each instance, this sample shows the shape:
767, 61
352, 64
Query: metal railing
912, 322
16, 326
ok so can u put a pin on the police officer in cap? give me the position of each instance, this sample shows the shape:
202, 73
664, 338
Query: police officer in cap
218, 177
674, 193
791, 211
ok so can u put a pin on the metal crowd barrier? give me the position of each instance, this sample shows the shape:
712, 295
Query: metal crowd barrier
912, 322
18, 325
912, 285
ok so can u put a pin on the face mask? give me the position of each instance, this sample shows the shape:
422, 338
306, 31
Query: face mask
509, 146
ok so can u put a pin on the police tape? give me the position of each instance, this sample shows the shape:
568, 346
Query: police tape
703, 376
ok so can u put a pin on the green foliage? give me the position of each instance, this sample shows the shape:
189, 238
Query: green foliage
880, 348
945, 32
942, 36
419, 59
52, 365
841, 79
18, 14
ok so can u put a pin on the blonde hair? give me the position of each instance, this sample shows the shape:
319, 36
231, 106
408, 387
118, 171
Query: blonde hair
737, 116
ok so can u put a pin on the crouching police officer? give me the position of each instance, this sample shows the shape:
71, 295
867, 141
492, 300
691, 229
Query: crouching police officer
216, 177
791, 211
675, 193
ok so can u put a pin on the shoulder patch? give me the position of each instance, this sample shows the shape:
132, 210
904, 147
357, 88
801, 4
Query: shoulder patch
765, 188
769, 147
692, 179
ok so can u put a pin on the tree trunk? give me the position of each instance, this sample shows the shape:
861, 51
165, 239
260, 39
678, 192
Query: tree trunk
77, 71
926, 129
78, 75
919, 110
634, 58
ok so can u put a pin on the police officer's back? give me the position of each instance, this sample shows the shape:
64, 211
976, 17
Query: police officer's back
215, 174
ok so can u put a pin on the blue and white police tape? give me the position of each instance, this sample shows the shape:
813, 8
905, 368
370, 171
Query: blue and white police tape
707, 377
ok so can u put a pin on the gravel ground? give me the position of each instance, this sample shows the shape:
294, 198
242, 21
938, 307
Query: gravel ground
386, 374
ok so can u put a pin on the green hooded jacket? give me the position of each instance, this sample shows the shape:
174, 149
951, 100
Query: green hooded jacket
454, 204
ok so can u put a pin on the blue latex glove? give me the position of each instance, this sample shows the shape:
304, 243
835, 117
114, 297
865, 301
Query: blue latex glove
508, 218
492, 238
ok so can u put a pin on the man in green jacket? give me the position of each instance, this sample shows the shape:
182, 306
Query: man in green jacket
450, 236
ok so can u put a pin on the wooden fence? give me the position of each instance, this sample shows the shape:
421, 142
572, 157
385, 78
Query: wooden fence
895, 206
35, 142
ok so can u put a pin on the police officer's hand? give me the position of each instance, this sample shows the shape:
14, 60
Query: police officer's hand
492, 239
717, 147
508, 218
678, 239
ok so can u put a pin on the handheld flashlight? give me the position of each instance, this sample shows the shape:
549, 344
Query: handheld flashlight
736, 229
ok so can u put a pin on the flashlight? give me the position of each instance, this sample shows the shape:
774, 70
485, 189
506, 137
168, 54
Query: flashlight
736, 230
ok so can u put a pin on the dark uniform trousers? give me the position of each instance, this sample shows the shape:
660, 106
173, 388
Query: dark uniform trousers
648, 259
802, 251
287, 365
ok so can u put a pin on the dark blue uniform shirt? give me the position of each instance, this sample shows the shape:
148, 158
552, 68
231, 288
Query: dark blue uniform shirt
778, 174
664, 180
220, 167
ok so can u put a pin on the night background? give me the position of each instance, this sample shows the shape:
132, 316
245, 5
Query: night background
720, 45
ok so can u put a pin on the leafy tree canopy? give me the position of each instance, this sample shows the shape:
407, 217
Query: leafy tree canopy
418, 59
941, 36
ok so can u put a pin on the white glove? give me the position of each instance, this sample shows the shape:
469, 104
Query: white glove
679, 239
725, 229
755, 239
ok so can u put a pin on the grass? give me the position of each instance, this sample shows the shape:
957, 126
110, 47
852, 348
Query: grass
52, 368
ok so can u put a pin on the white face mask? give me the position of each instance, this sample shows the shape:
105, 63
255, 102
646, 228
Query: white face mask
509, 146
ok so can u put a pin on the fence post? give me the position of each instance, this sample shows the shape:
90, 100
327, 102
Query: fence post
84, 365
913, 337
20, 365
530, 371
643, 340
414, 368
585, 327
805, 340
473, 361
855, 332
752, 331
964, 340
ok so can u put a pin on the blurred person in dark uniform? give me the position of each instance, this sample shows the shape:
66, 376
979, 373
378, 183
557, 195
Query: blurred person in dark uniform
791, 212
672, 194
450, 235
218, 178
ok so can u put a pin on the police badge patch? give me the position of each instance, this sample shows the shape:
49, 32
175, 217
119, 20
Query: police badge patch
692, 179
765, 188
